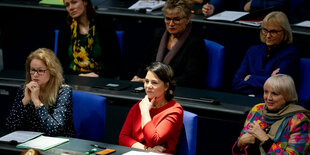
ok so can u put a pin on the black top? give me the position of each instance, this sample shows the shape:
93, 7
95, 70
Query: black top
189, 64
110, 57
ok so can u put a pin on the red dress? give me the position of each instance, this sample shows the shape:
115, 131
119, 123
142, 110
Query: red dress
164, 129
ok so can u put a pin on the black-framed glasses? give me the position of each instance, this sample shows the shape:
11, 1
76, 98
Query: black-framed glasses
271, 32
39, 71
175, 20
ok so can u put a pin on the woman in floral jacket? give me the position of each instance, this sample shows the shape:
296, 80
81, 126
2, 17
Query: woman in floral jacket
277, 126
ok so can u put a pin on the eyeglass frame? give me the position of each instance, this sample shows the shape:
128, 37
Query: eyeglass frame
40, 72
175, 20
271, 32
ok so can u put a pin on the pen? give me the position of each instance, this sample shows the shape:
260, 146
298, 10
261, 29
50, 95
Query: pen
91, 151
98, 146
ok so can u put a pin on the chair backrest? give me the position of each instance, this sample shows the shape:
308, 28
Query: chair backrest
89, 115
304, 89
56, 41
188, 137
216, 59
120, 37
294, 4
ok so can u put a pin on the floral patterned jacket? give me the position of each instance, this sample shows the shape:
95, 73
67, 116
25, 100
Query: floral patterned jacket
294, 138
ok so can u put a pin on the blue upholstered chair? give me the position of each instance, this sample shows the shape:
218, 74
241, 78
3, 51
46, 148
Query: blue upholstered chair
188, 137
120, 37
216, 59
56, 41
89, 115
304, 90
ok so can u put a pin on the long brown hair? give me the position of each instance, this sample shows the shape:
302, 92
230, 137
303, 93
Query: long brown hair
90, 12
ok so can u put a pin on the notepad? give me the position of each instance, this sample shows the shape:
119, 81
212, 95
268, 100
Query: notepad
20, 136
52, 2
43, 143
228, 15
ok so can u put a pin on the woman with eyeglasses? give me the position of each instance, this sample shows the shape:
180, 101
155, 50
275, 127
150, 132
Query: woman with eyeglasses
44, 103
276, 55
178, 47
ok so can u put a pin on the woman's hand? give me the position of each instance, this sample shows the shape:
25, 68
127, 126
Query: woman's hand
145, 104
27, 97
91, 74
275, 72
208, 9
247, 6
246, 78
32, 92
137, 79
246, 139
157, 148
257, 132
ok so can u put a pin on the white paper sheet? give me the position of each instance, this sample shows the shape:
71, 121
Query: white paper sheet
304, 24
20, 136
228, 15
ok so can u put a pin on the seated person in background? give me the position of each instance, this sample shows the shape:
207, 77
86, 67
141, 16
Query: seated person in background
216, 6
88, 47
155, 122
277, 126
178, 47
44, 103
276, 5
276, 55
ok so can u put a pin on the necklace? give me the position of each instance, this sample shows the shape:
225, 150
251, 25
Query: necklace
159, 105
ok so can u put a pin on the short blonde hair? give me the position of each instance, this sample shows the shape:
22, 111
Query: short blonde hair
284, 85
182, 7
54, 68
279, 18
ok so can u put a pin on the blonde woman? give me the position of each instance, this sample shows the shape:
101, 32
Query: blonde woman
277, 55
44, 103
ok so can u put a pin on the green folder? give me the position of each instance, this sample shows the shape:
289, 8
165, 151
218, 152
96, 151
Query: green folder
52, 2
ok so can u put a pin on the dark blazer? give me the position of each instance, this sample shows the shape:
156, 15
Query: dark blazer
111, 55
285, 57
189, 65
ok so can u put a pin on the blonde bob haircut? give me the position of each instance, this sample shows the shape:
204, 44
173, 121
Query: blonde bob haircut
182, 7
284, 85
54, 68
278, 18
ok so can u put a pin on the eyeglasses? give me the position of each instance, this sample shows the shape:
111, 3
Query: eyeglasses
175, 20
39, 72
271, 32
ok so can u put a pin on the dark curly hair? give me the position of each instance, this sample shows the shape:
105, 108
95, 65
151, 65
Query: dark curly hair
165, 74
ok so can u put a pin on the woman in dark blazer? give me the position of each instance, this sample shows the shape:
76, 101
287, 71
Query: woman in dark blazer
178, 47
